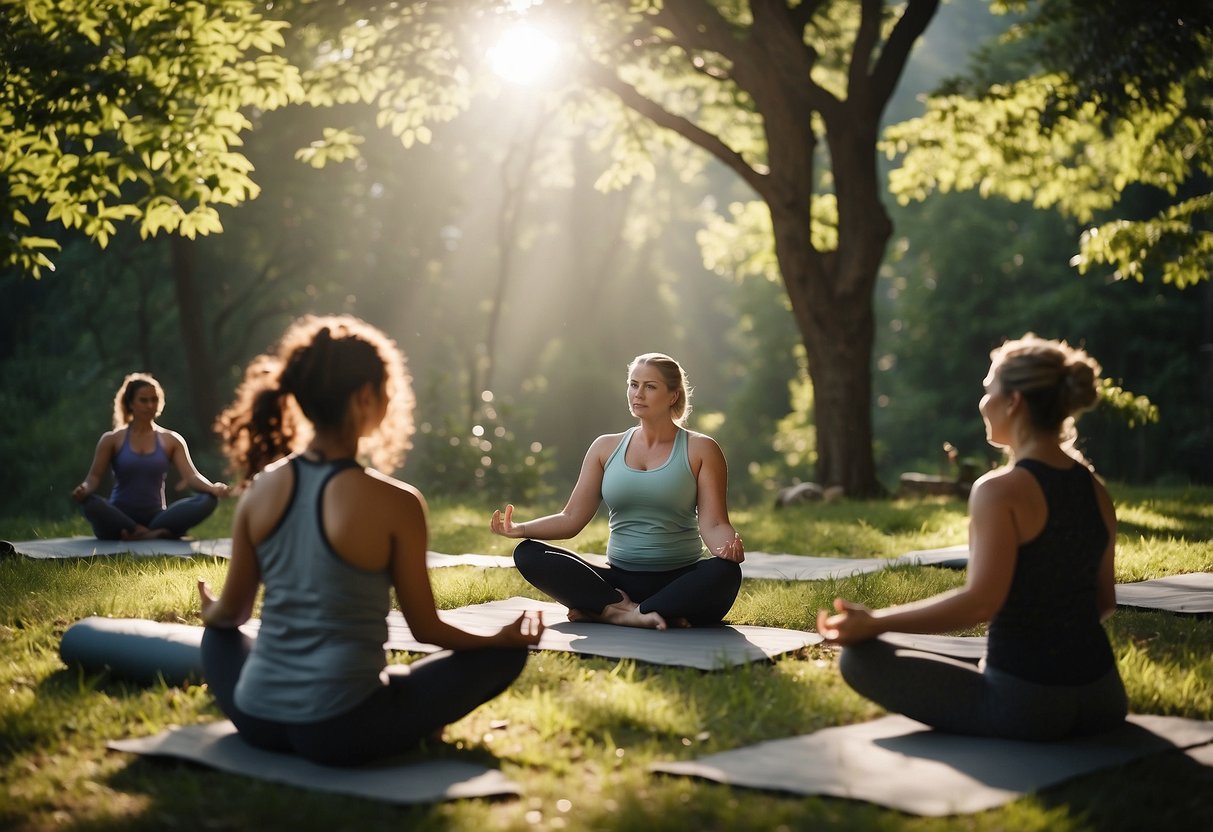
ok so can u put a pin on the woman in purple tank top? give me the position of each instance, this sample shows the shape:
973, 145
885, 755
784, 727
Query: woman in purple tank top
139, 453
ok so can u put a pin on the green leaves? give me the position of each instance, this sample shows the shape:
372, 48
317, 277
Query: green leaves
1094, 122
130, 111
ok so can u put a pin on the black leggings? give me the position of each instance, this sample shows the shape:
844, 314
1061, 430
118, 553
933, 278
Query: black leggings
417, 700
965, 698
702, 593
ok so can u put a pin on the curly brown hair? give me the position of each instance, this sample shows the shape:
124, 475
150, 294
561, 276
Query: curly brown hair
306, 382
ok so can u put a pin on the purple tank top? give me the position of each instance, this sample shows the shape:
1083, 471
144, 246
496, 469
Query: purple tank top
139, 478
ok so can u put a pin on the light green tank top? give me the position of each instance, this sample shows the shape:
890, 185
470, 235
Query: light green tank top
653, 518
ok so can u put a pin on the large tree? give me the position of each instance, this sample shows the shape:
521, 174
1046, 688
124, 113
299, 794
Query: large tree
788, 95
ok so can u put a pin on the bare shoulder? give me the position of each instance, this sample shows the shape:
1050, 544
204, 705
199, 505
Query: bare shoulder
1007, 483
265, 500
170, 437
112, 438
384, 490
277, 478
605, 445
701, 441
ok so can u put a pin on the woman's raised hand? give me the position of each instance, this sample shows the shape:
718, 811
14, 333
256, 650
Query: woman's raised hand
734, 550
525, 631
503, 522
852, 623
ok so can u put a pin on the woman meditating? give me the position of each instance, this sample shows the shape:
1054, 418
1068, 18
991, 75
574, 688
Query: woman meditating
140, 452
330, 539
665, 488
1042, 535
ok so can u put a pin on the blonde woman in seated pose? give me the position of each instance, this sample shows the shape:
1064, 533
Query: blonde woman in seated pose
665, 488
329, 539
1042, 534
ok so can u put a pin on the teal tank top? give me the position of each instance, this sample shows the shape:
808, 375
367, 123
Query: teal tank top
653, 518
319, 651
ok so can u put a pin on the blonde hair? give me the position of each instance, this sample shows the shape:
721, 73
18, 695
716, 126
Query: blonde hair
675, 378
130, 387
1057, 381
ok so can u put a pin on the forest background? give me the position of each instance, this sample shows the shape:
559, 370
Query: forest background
519, 293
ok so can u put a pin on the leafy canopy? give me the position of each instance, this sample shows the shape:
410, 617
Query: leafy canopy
1116, 95
129, 110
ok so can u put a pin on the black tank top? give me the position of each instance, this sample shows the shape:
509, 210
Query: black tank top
1048, 631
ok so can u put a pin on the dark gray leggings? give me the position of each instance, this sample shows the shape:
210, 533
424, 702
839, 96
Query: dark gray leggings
962, 698
702, 593
109, 521
417, 700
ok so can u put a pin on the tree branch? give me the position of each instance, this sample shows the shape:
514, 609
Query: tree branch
802, 14
897, 48
689, 130
866, 38
697, 24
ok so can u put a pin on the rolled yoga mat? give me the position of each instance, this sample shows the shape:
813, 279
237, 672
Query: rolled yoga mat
135, 649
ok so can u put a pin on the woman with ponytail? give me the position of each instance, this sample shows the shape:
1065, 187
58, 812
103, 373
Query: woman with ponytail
330, 539
1042, 536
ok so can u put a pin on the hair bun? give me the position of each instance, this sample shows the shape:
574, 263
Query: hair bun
1079, 383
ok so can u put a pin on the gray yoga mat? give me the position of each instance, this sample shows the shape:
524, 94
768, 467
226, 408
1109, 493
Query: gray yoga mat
61, 548
412, 781
1191, 593
969, 648
900, 763
705, 648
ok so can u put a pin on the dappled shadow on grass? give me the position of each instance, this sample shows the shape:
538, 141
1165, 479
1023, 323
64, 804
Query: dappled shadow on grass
180, 794
1167, 638
1162, 791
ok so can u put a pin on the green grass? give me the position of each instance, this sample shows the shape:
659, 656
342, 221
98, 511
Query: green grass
577, 733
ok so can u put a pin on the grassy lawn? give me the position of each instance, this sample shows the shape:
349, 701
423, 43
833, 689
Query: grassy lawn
577, 733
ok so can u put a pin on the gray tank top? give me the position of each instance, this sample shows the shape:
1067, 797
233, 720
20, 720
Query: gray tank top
319, 651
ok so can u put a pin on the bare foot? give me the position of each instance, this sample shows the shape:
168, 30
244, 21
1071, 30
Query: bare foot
626, 613
144, 533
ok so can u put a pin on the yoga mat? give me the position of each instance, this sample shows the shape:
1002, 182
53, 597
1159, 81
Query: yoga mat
776, 566
900, 763
705, 648
968, 648
785, 567
57, 548
1191, 593
218, 746
61, 548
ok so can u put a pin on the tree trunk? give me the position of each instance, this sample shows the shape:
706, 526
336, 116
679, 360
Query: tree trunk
203, 399
838, 330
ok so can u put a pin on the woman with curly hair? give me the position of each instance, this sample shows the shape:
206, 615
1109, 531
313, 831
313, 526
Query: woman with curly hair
329, 539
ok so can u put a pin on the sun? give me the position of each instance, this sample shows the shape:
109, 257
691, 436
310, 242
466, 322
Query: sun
524, 55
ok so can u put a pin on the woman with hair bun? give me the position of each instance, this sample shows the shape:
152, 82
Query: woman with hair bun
139, 452
330, 539
1042, 536
665, 487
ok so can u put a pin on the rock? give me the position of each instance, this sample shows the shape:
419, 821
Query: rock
804, 492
